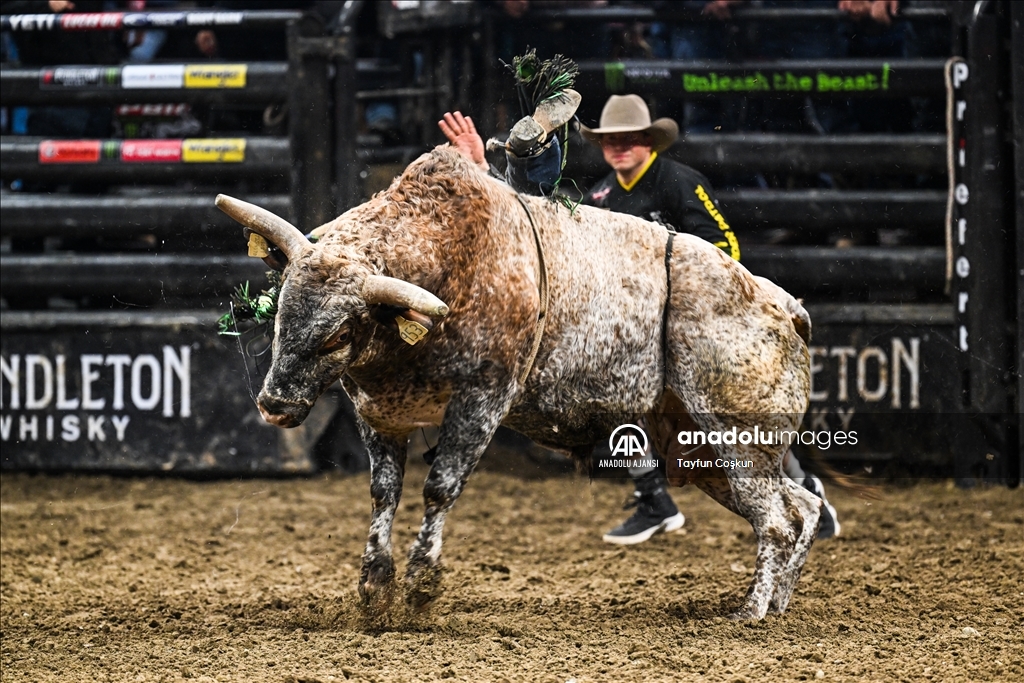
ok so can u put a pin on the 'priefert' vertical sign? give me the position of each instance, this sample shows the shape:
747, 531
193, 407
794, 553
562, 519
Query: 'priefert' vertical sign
957, 74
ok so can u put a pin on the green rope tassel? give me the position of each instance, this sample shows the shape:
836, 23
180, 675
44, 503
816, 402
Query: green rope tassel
259, 310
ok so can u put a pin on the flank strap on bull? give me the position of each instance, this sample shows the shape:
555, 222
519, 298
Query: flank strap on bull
668, 300
538, 332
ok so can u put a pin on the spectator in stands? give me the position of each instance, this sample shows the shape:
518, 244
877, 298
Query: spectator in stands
641, 183
519, 30
881, 11
12, 120
256, 45
145, 45
245, 44
698, 40
810, 39
39, 48
875, 33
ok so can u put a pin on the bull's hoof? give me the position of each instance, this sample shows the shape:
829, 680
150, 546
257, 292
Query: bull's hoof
419, 601
423, 588
744, 614
377, 586
377, 598
376, 607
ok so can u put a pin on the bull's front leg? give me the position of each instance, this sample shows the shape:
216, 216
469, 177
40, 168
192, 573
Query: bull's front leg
387, 469
469, 424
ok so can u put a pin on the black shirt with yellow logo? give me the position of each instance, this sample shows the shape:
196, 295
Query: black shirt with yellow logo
672, 194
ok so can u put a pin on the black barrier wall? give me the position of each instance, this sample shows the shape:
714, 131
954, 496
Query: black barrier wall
864, 221
116, 264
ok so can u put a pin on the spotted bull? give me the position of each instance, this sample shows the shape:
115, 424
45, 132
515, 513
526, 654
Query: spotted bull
553, 322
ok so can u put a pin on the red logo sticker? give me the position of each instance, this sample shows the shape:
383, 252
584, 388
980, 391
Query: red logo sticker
86, 21
69, 151
151, 151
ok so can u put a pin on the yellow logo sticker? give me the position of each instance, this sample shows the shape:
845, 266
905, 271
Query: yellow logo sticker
213, 150
215, 75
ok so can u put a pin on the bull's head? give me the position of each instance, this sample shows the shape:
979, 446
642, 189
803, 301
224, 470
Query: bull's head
325, 317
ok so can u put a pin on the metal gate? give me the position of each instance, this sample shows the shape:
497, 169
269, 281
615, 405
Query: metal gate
110, 353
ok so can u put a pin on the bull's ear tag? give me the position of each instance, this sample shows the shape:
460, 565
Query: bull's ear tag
258, 246
410, 331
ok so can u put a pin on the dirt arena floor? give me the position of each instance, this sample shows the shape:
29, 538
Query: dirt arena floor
138, 579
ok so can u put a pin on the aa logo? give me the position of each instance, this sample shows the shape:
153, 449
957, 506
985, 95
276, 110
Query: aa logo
628, 441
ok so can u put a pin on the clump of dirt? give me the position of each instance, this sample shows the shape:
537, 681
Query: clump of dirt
254, 580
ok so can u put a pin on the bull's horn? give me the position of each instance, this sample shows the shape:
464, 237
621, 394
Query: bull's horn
378, 289
275, 229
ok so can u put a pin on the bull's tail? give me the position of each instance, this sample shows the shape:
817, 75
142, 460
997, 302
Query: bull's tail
858, 484
798, 315
800, 318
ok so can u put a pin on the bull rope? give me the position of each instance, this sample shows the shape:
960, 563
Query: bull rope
538, 332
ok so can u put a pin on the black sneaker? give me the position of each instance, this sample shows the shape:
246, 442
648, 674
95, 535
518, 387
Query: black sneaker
530, 132
655, 512
828, 524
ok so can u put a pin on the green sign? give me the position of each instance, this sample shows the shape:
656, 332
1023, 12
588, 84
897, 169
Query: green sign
615, 76
782, 81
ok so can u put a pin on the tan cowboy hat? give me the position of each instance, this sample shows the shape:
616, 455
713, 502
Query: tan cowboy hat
629, 114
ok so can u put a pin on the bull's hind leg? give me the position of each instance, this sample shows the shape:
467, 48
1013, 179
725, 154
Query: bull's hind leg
755, 489
387, 469
760, 500
808, 506
784, 517
470, 421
